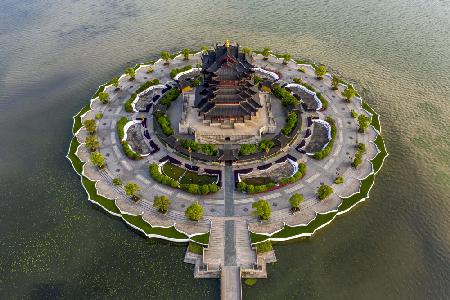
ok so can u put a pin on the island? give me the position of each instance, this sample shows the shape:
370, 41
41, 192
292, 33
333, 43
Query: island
228, 150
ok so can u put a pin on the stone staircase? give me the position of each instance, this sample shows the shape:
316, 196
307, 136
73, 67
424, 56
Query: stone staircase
245, 255
214, 254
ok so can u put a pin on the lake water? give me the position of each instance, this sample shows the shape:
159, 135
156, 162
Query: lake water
54, 54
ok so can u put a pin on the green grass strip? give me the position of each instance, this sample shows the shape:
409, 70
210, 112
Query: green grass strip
364, 188
106, 203
201, 238
377, 161
77, 119
375, 122
76, 161
318, 221
169, 232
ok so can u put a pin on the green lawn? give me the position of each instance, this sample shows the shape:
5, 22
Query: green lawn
77, 119
169, 232
377, 161
176, 172
364, 188
76, 162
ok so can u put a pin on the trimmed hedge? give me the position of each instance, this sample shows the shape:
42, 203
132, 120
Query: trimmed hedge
326, 151
196, 189
284, 95
291, 122
253, 189
125, 146
143, 87
164, 122
175, 71
169, 97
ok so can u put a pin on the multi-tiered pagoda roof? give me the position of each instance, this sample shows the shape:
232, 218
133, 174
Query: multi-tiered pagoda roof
227, 94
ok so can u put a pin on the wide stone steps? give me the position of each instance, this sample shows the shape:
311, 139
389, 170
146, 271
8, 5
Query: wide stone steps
215, 253
245, 255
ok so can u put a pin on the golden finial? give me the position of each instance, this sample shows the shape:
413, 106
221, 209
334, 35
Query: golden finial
227, 43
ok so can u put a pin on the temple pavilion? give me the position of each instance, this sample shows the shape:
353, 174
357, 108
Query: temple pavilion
227, 95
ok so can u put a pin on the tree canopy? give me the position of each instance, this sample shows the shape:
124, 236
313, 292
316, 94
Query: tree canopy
247, 51
335, 83
162, 203
349, 93
131, 189
363, 122
97, 159
185, 53
194, 211
295, 200
266, 52
324, 191
92, 142
131, 72
103, 97
262, 209
115, 82
165, 56
286, 58
266, 145
90, 126
320, 71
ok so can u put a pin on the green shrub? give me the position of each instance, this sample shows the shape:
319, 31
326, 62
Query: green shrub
301, 82
131, 189
143, 87
117, 181
301, 70
131, 72
262, 209
266, 145
326, 151
194, 211
322, 100
103, 97
90, 125
295, 200
161, 203
128, 152
162, 178
354, 114
185, 53
247, 149
291, 122
362, 148
320, 71
194, 146
335, 83
92, 142
339, 180
175, 71
286, 98
257, 79
97, 159
349, 93
164, 122
99, 116
363, 122
324, 191
357, 160
264, 247
169, 97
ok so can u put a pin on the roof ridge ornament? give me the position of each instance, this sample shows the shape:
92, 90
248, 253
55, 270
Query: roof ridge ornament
227, 43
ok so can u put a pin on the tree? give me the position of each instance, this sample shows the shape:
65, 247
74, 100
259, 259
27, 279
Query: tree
257, 79
247, 51
162, 203
361, 148
286, 58
334, 83
204, 49
357, 160
266, 53
90, 126
115, 83
185, 53
247, 149
166, 57
295, 201
92, 142
354, 114
97, 159
266, 145
324, 191
131, 72
194, 211
320, 72
117, 181
131, 189
349, 93
103, 97
363, 122
262, 209
150, 70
